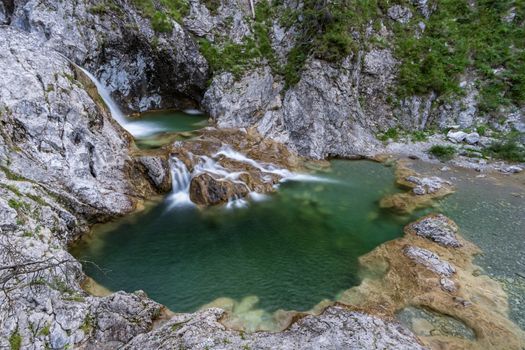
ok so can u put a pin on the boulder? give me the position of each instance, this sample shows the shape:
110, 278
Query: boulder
456, 136
437, 228
472, 138
207, 190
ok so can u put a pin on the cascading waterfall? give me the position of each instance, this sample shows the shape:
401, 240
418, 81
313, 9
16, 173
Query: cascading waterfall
182, 177
139, 128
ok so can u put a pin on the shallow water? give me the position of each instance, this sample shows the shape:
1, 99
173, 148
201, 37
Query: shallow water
490, 212
149, 124
292, 249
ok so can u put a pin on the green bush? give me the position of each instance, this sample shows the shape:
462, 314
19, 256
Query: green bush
161, 23
390, 134
459, 36
442, 152
508, 149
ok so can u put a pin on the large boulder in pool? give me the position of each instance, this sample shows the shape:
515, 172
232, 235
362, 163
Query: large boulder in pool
207, 190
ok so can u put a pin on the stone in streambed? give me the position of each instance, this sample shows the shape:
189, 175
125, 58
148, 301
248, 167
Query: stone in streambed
207, 190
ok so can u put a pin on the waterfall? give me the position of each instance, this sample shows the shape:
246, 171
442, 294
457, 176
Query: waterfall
138, 128
180, 190
116, 113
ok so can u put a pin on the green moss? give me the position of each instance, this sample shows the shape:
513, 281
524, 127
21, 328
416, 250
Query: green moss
15, 341
442, 152
45, 330
162, 12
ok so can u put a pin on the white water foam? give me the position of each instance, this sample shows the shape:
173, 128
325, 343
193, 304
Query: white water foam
181, 177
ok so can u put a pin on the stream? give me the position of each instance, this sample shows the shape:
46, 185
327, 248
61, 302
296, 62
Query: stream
292, 249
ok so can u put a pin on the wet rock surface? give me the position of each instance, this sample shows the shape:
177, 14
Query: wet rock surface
228, 164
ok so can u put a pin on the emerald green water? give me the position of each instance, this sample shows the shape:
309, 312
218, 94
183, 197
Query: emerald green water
292, 250
153, 129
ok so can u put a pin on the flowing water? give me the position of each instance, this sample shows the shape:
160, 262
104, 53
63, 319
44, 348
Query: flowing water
149, 126
291, 249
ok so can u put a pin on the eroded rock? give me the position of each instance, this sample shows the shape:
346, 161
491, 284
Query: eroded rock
437, 228
430, 260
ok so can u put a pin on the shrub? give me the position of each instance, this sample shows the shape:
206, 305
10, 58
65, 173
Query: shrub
509, 149
442, 152
481, 129
391, 133
15, 341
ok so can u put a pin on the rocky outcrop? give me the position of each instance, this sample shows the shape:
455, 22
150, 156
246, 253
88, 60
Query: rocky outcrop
438, 228
336, 327
319, 117
422, 191
143, 68
64, 165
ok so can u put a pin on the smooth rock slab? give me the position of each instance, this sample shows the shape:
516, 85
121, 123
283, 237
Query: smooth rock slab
335, 328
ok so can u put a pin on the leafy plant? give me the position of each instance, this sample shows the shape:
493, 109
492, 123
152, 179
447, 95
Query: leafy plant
442, 152
508, 149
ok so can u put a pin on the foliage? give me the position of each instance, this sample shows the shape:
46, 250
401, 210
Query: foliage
442, 152
508, 149
459, 36
236, 58
482, 129
162, 16
390, 134
15, 341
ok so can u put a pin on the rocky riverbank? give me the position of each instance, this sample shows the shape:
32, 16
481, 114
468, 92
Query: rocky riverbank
65, 165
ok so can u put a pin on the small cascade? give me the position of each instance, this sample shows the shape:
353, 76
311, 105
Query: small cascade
210, 165
285, 174
135, 128
181, 177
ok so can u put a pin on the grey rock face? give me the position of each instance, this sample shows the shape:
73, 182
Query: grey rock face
438, 229
430, 260
117, 49
321, 116
335, 328
64, 164
400, 14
